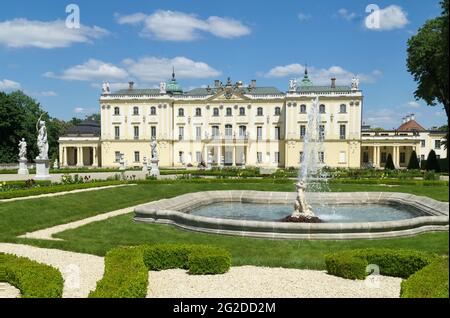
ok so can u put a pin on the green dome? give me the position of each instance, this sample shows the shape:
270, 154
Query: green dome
306, 81
173, 86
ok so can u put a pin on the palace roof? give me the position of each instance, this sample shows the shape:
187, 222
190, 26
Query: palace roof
411, 125
88, 127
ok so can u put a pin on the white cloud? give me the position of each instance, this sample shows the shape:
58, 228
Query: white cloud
115, 86
49, 94
346, 15
155, 69
8, 85
20, 33
84, 110
413, 104
389, 18
303, 16
322, 76
382, 117
92, 70
179, 26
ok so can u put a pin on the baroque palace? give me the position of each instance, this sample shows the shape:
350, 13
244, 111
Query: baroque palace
234, 125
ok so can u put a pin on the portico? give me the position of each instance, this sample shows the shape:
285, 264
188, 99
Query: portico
375, 153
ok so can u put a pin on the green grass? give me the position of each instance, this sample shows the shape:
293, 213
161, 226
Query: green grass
19, 217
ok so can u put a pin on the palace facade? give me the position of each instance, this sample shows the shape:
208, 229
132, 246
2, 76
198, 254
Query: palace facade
232, 123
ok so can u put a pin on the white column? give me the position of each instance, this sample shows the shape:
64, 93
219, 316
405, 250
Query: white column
219, 155
95, 157
234, 156
79, 156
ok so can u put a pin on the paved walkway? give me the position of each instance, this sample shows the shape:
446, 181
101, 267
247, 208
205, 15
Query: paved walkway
56, 194
80, 271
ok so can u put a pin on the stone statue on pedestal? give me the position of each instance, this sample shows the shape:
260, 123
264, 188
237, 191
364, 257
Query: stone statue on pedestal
154, 170
23, 168
42, 142
301, 207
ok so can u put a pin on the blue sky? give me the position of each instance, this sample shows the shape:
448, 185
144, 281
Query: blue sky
268, 41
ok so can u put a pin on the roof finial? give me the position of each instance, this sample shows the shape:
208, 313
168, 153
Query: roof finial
306, 69
173, 72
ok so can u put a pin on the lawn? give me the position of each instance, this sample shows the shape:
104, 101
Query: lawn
24, 216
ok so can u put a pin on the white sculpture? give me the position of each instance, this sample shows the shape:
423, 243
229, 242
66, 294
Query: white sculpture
145, 165
162, 87
42, 142
23, 149
154, 170
355, 83
154, 145
56, 164
210, 160
106, 89
292, 85
301, 208
122, 162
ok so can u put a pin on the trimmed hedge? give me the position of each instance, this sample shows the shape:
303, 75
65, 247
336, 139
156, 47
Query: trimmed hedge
398, 263
33, 279
429, 282
126, 268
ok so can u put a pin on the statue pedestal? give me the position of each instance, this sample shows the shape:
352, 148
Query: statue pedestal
122, 166
23, 168
154, 171
42, 169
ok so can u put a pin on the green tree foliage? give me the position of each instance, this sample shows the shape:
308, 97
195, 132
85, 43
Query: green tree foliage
18, 116
413, 163
389, 163
432, 163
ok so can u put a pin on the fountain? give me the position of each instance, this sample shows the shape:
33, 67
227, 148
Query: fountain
310, 168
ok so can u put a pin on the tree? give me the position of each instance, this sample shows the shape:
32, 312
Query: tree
389, 165
427, 60
432, 163
413, 163
445, 142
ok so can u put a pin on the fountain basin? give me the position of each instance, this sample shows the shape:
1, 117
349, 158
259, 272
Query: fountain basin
425, 215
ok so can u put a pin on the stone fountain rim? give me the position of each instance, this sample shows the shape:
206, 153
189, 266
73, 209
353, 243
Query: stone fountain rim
174, 211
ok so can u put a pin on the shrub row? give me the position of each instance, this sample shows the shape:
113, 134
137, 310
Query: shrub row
390, 182
429, 282
33, 279
126, 268
398, 263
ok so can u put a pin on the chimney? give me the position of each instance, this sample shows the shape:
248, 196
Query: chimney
413, 117
408, 118
333, 82
216, 83
253, 84
130, 85
404, 120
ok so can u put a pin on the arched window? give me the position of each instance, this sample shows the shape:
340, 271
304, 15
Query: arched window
229, 111
153, 111
116, 111
259, 111
303, 109
228, 130
277, 111
181, 112
135, 111
242, 111
198, 112
322, 109
216, 112
343, 108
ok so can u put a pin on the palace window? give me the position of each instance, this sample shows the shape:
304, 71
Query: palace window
181, 157
343, 108
198, 112
180, 133
303, 109
321, 157
277, 157
215, 131
259, 131
228, 131
198, 133
342, 132
181, 112
153, 111
321, 132
116, 132
241, 111
198, 156
383, 157
137, 156
153, 131
437, 144
116, 111
422, 143
117, 156
135, 111
229, 111
136, 132
242, 131
365, 157
301, 157
277, 111
259, 111
259, 157
277, 133
302, 131
402, 157
322, 109
216, 112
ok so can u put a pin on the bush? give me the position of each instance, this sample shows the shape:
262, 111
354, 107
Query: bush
432, 163
389, 165
398, 263
126, 268
429, 282
33, 279
413, 163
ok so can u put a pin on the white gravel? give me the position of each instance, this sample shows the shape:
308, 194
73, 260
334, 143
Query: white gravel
8, 291
80, 271
262, 282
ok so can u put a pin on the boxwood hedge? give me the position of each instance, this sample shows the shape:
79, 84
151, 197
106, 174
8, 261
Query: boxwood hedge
126, 268
33, 279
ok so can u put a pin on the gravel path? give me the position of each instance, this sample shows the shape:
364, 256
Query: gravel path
80, 271
63, 193
8, 291
262, 282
